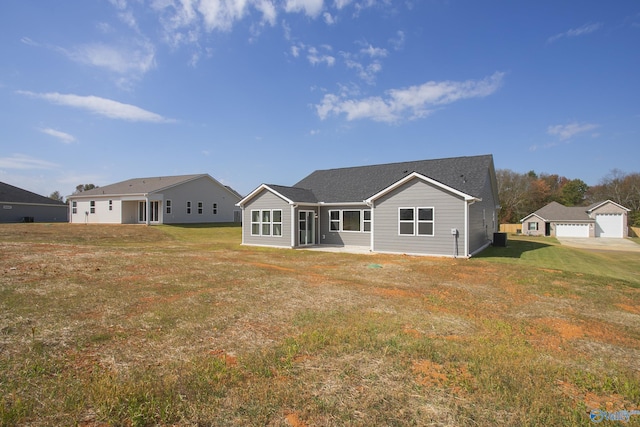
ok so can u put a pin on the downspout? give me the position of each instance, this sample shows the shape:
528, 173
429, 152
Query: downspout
371, 205
148, 209
466, 227
294, 221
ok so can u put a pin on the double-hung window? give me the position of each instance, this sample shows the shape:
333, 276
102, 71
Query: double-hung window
266, 222
533, 226
92, 206
416, 221
215, 208
200, 208
168, 206
188, 208
74, 206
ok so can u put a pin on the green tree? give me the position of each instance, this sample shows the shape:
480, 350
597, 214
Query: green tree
573, 192
84, 187
56, 196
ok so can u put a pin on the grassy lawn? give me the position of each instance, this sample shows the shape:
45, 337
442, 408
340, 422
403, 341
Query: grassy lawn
133, 325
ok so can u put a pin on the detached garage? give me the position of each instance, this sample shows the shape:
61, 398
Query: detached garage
604, 219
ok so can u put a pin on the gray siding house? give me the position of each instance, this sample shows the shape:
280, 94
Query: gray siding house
602, 219
18, 205
158, 200
442, 207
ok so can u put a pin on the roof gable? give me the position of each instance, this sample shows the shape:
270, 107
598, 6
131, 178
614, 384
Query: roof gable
464, 174
11, 194
598, 205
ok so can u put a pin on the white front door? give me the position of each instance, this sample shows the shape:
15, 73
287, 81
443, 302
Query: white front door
306, 228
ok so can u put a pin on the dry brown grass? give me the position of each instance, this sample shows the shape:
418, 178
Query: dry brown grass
131, 325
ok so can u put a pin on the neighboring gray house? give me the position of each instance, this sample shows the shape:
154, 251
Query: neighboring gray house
444, 207
602, 219
18, 205
157, 200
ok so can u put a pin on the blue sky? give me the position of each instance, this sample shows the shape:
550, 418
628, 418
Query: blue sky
266, 91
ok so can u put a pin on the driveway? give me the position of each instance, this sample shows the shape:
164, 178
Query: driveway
600, 243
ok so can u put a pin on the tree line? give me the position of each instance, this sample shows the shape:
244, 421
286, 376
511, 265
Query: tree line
523, 193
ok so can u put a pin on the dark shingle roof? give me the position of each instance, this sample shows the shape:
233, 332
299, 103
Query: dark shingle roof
355, 184
554, 211
11, 194
295, 194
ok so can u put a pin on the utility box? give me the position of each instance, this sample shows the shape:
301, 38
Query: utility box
500, 240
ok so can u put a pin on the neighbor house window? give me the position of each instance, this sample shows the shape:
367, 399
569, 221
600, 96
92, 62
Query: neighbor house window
200, 208
168, 206
533, 226
350, 220
189, 208
416, 221
215, 208
92, 206
110, 205
74, 207
266, 222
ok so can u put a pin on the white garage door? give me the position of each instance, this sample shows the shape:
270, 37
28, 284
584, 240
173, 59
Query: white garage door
609, 225
572, 230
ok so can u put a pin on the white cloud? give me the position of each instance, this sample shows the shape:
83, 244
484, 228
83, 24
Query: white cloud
568, 131
23, 162
576, 32
101, 106
339, 4
310, 8
409, 103
62, 136
329, 19
374, 52
221, 14
316, 57
398, 41
269, 13
136, 59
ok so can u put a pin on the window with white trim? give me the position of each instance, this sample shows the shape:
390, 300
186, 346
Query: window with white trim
200, 205
266, 222
350, 220
189, 208
168, 206
110, 205
533, 226
215, 208
92, 206
425, 221
74, 207
406, 221
334, 220
416, 221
